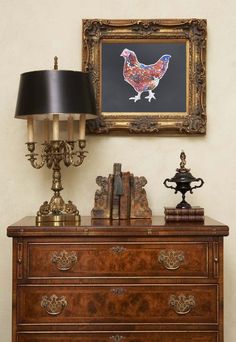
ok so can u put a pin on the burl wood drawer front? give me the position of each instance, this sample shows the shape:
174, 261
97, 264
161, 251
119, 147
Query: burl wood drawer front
121, 337
117, 260
126, 304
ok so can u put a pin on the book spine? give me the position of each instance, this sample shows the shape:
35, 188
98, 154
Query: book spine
109, 196
184, 212
117, 191
125, 198
188, 218
132, 196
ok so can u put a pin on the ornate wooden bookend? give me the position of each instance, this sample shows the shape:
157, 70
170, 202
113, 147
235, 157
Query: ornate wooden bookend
121, 196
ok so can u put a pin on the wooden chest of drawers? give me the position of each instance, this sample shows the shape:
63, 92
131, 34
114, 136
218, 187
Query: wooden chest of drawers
139, 281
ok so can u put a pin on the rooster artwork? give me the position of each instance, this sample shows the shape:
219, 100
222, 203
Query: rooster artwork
143, 78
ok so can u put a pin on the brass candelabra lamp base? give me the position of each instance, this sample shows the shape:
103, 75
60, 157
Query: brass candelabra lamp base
58, 211
53, 153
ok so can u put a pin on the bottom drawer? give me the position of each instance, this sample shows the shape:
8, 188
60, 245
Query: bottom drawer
120, 337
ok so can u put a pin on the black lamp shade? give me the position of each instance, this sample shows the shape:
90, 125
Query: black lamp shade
44, 93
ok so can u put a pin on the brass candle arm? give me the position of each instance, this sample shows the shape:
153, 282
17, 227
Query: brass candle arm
32, 157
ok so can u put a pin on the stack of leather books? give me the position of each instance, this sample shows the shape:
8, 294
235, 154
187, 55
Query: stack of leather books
194, 214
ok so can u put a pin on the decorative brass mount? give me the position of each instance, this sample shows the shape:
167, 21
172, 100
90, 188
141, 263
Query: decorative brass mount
171, 259
118, 250
118, 291
53, 305
64, 261
117, 338
182, 304
53, 153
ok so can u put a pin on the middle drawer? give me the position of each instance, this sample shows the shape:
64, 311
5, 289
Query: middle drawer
118, 304
114, 260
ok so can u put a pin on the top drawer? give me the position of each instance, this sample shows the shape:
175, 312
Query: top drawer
117, 260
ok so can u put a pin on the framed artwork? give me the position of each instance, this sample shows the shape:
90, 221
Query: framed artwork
149, 76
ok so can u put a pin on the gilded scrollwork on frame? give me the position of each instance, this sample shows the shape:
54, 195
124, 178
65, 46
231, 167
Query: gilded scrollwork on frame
187, 119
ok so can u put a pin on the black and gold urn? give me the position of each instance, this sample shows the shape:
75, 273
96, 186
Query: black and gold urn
183, 179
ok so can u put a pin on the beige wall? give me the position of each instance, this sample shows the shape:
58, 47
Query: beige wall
31, 33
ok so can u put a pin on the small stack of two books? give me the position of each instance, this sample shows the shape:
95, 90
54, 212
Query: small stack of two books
194, 214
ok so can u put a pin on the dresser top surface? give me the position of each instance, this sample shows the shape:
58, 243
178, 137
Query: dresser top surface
87, 226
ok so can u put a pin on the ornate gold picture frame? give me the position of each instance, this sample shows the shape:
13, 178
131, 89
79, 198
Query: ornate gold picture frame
163, 59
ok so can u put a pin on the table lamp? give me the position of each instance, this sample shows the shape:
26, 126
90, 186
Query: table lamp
55, 96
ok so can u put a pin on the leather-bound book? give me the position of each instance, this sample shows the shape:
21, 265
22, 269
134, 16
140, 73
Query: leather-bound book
182, 218
117, 191
194, 211
125, 198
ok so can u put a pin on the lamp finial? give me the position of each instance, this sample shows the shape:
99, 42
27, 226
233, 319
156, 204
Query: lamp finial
55, 63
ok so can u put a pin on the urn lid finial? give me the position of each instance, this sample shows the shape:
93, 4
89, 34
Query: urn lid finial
182, 163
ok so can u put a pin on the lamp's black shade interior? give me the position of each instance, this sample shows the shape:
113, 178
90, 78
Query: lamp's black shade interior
44, 93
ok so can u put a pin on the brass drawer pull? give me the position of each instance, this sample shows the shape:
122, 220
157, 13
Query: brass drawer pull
171, 259
118, 291
182, 304
64, 260
117, 338
118, 250
54, 305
